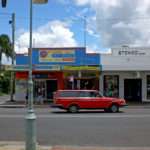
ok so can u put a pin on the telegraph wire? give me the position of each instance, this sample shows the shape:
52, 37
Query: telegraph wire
74, 19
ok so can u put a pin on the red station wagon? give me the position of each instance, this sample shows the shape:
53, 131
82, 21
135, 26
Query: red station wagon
73, 100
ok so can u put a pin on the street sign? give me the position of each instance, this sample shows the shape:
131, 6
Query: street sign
39, 1
4, 2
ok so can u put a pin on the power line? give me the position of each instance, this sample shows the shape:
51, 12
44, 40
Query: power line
76, 19
135, 18
5, 14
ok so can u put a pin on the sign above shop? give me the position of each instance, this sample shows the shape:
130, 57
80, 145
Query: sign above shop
131, 51
40, 76
56, 55
20, 68
36, 67
82, 68
47, 67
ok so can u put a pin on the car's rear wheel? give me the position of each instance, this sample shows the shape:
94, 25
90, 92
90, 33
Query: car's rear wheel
73, 109
114, 108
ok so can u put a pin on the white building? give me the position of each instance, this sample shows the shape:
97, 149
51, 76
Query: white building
126, 73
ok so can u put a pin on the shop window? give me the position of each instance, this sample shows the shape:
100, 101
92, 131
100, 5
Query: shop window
87, 80
148, 87
111, 85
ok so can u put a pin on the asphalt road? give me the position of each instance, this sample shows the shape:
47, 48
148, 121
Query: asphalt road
130, 127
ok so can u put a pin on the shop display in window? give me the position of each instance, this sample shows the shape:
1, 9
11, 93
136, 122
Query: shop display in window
148, 87
111, 85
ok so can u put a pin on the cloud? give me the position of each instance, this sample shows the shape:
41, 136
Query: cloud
5, 60
93, 48
120, 22
82, 2
52, 34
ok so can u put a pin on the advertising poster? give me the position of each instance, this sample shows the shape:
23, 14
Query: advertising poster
56, 55
21, 89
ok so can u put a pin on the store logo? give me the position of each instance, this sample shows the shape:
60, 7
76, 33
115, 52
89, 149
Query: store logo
131, 52
43, 54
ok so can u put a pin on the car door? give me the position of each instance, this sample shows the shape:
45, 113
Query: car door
89, 99
95, 100
98, 101
84, 99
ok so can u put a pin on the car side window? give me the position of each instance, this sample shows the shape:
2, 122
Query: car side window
93, 94
84, 94
69, 94
100, 94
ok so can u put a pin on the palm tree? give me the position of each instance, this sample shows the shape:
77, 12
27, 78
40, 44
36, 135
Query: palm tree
5, 47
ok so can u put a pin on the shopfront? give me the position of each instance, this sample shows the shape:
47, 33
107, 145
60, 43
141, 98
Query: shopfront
82, 77
57, 68
126, 74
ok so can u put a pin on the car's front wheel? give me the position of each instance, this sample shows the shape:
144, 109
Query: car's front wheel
73, 109
114, 108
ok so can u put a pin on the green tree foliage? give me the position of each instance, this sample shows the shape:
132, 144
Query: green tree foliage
5, 47
5, 81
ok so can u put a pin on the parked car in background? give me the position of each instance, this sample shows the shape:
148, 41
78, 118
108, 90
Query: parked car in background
74, 100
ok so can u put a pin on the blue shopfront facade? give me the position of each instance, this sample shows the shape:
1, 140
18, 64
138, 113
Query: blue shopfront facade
58, 68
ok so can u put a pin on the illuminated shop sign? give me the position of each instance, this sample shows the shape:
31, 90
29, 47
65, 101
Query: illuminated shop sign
56, 55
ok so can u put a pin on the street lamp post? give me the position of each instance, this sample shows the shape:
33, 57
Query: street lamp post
85, 26
31, 117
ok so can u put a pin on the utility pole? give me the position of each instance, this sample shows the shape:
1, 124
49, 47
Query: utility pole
85, 26
12, 22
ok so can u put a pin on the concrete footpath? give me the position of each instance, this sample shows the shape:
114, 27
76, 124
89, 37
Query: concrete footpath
21, 146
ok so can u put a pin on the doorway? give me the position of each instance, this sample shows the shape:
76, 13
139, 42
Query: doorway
133, 90
42, 85
51, 87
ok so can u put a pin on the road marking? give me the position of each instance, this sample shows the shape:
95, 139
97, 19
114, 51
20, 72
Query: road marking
77, 116
93, 116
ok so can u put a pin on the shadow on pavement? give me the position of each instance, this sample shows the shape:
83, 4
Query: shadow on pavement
85, 112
